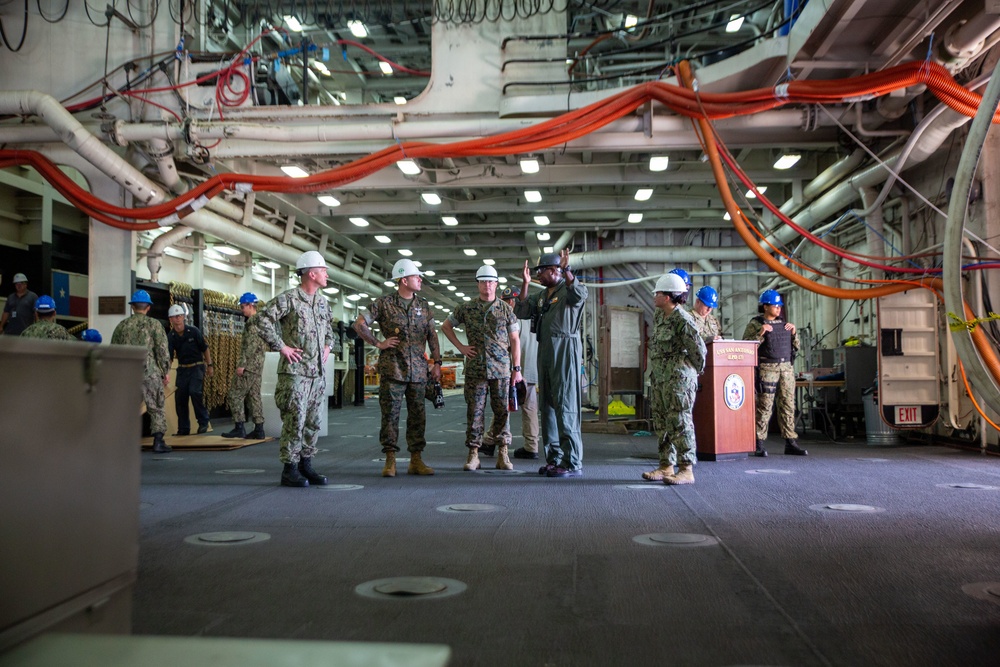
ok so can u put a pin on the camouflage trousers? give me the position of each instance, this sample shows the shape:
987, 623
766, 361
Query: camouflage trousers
300, 400
390, 400
657, 411
245, 391
476, 393
152, 396
529, 422
673, 403
776, 381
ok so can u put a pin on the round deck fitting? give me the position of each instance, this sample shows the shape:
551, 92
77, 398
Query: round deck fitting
846, 507
676, 540
768, 471
469, 507
968, 485
410, 588
338, 487
497, 471
226, 539
240, 471
654, 486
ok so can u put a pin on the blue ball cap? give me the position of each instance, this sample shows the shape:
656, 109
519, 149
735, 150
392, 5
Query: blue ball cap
248, 298
91, 336
45, 304
708, 296
770, 297
141, 296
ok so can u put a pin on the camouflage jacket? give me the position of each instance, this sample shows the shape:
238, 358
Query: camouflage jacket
252, 347
144, 331
676, 347
488, 325
301, 321
413, 324
46, 329
708, 326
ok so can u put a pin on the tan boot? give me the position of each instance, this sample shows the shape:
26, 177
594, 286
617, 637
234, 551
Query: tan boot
417, 465
657, 475
472, 462
503, 463
390, 465
685, 475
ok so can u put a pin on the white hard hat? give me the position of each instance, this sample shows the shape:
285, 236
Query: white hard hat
486, 272
310, 259
20, 278
404, 268
176, 309
671, 284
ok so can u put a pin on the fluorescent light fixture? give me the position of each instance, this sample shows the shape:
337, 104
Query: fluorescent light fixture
357, 28
787, 161
727, 216
331, 290
631, 20
635, 217
431, 198
399, 99
270, 265
735, 23
643, 194
452, 288
294, 172
348, 304
359, 222
328, 200
501, 279
466, 298
321, 67
760, 188
471, 252
362, 295
459, 293
547, 249
541, 220
449, 220
489, 262
529, 165
418, 264
389, 283
385, 67
429, 273
227, 250
444, 281
659, 162
293, 23
430, 303
382, 238
408, 167
543, 236
532, 196
354, 297
405, 252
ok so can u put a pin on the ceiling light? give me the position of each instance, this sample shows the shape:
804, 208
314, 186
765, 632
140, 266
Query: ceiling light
348, 304
466, 298
357, 28
293, 24
659, 163
431, 198
321, 67
450, 221
227, 250
211, 254
385, 67
362, 295
489, 262
529, 165
389, 283
541, 220
501, 279
331, 290
418, 264
631, 20
787, 161
405, 252
643, 194
354, 297
635, 217
444, 281
452, 288
399, 99
459, 293
429, 273
547, 249
270, 265
360, 222
727, 216
382, 238
735, 23
328, 200
760, 188
543, 236
533, 196
294, 172
408, 167
430, 303
471, 252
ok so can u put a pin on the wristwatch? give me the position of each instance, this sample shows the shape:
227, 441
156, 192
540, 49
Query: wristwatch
437, 362
517, 369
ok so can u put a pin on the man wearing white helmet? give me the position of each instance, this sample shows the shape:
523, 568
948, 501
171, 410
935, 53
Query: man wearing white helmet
297, 324
407, 323
19, 311
194, 362
492, 331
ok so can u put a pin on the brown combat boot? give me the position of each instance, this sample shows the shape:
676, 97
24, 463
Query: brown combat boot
503, 463
390, 465
417, 465
684, 475
472, 461
657, 475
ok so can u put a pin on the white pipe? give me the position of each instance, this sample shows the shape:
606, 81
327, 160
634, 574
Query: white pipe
669, 254
154, 255
875, 228
832, 174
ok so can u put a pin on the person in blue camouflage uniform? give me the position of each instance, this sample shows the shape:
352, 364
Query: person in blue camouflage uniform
297, 324
677, 356
492, 331
45, 325
245, 387
406, 321
141, 330
779, 343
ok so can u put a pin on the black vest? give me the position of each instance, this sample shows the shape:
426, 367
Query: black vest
777, 344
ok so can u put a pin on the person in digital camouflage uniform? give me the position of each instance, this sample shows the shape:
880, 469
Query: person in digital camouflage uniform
779, 343
142, 330
677, 356
245, 387
491, 328
297, 324
407, 323
706, 300
46, 326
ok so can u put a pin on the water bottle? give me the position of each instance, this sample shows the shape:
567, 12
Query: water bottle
512, 399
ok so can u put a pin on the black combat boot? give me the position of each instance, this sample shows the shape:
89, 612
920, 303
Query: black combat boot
760, 451
237, 432
290, 476
159, 446
258, 432
306, 468
792, 448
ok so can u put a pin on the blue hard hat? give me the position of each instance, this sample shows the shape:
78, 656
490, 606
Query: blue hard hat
770, 297
141, 296
45, 304
708, 296
683, 274
91, 336
248, 298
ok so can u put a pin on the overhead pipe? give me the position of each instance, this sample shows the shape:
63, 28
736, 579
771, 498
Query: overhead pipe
154, 256
874, 228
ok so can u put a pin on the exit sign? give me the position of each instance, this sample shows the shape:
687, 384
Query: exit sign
907, 414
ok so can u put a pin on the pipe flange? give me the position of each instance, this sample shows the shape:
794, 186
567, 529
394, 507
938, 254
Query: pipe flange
112, 130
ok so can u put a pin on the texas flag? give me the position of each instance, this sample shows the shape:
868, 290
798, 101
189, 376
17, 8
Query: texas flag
70, 292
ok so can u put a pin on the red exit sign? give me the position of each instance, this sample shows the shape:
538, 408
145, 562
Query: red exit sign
908, 414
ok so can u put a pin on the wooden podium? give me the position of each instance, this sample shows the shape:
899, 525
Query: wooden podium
725, 405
